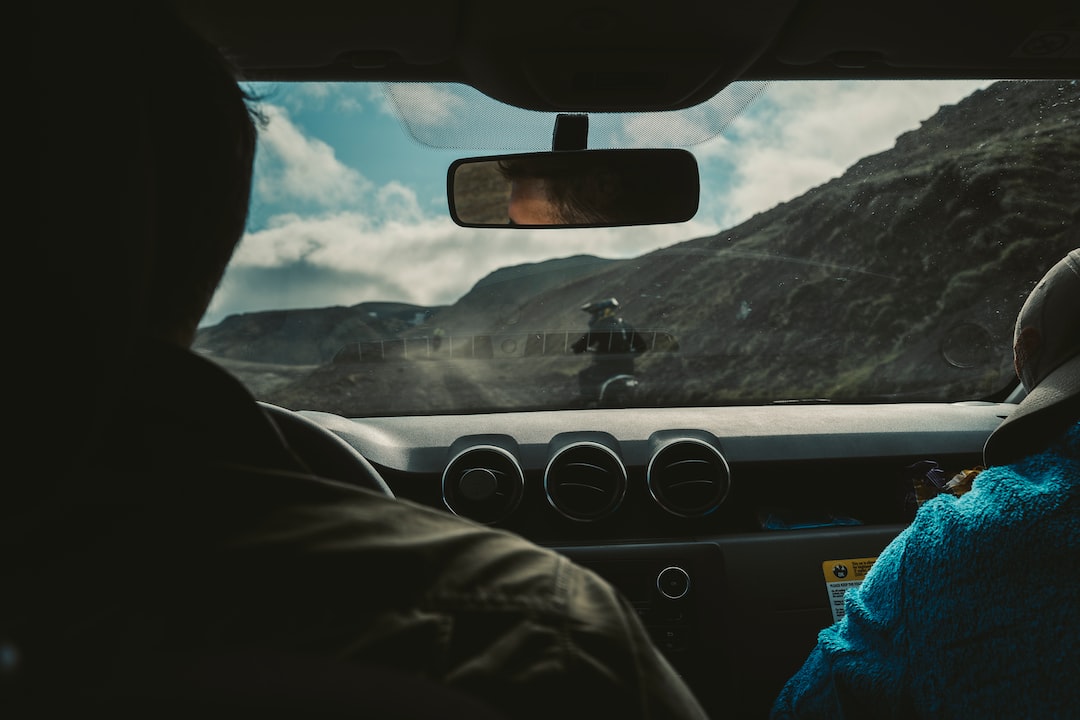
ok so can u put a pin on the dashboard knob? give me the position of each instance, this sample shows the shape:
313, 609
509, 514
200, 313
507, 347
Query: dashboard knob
673, 582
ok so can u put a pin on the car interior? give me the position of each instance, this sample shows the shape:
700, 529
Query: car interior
813, 368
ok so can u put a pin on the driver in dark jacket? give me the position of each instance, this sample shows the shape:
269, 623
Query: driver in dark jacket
178, 520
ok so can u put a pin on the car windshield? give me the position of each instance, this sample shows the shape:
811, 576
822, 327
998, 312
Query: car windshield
855, 242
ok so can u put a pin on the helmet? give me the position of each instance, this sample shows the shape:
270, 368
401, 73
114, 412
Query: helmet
600, 306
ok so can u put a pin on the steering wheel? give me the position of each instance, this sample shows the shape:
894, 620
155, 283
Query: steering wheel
324, 452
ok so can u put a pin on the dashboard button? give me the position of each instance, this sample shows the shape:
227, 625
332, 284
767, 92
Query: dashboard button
671, 639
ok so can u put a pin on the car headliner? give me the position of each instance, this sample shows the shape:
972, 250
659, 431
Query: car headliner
565, 55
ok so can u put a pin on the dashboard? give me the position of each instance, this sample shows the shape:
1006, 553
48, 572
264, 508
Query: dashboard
730, 530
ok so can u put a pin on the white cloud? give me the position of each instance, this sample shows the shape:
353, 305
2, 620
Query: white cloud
350, 257
348, 104
425, 104
312, 96
294, 166
798, 135
689, 126
677, 129
399, 201
317, 90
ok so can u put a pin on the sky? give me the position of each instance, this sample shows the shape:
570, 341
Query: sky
349, 203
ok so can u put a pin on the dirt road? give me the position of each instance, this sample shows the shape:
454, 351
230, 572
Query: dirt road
408, 387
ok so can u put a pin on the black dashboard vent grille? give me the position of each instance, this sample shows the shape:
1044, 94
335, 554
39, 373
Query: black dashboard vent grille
585, 481
483, 483
689, 478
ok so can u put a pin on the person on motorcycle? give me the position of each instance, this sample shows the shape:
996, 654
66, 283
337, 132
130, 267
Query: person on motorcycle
613, 343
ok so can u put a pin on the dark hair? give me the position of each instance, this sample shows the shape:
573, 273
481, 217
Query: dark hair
144, 188
203, 140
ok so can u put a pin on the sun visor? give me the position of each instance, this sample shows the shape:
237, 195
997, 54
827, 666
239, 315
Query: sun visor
602, 57
618, 82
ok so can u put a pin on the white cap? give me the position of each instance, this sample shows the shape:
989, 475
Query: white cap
1047, 354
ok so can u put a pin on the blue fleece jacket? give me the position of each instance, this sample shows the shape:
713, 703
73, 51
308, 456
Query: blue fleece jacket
971, 612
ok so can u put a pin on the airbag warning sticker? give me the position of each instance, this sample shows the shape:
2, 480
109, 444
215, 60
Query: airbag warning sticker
840, 575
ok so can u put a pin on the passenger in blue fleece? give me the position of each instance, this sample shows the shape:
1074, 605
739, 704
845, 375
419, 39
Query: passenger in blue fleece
973, 611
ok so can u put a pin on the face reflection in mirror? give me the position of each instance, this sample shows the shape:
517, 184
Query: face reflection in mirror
530, 203
553, 190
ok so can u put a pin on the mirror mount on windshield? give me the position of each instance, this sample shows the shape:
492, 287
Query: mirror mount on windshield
574, 188
571, 132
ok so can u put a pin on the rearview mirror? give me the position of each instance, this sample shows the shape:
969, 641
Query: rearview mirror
586, 188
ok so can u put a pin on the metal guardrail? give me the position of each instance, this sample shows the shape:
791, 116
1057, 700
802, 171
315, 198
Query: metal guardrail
494, 346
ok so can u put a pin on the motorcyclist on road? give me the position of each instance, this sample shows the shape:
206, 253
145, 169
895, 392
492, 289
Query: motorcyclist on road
613, 342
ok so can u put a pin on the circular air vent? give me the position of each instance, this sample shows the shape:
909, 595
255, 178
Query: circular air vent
689, 478
585, 481
483, 483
